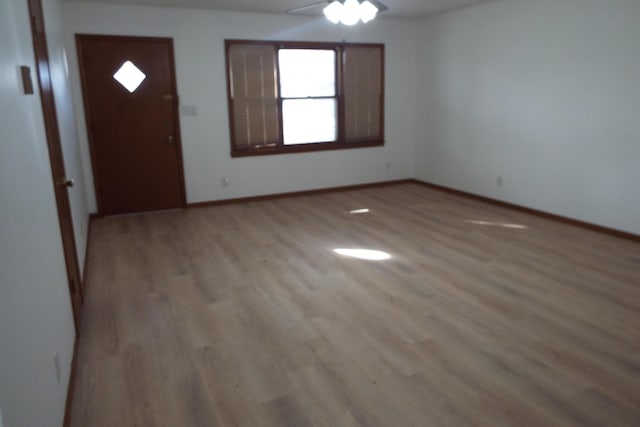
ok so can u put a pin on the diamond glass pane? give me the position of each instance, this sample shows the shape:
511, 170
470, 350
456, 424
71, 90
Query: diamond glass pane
129, 76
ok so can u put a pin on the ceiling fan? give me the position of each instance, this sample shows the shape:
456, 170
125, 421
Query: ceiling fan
349, 12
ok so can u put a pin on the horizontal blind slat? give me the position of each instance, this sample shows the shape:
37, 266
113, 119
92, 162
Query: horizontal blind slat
362, 92
254, 95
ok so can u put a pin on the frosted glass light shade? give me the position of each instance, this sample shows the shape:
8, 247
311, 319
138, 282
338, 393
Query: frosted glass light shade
333, 11
350, 12
367, 11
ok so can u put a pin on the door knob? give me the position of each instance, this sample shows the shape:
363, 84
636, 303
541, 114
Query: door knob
170, 139
67, 182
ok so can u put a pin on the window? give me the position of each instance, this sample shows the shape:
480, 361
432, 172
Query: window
309, 97
129, 76
298, 96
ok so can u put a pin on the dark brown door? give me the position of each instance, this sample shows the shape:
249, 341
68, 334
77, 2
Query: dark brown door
133, 131
60, 181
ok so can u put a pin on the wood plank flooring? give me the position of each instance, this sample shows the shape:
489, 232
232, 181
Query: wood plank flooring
243, 315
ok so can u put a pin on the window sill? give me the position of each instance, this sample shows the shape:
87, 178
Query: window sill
305, 148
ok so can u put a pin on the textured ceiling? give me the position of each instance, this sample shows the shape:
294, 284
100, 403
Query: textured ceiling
406, 9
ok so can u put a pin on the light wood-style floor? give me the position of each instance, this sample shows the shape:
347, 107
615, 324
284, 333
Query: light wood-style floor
243, 315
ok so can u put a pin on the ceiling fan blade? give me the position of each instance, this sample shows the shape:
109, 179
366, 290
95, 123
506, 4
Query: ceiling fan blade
309, 6
381, 6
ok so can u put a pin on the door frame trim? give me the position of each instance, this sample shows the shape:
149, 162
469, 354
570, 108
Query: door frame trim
89, 126
55, 152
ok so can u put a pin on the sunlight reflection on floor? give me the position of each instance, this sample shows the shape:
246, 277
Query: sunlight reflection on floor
497, 224
366, 254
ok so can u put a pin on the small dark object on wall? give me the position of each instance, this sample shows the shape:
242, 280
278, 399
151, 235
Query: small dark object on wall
27, 83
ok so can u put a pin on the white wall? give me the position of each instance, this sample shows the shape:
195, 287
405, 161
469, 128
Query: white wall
200, 65
544, 93
35, 311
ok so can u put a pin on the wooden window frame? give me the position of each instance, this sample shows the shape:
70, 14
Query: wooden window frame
340, 142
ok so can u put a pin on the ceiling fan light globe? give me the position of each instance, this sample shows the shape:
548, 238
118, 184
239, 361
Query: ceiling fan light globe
350, 12
368, 11
333, 11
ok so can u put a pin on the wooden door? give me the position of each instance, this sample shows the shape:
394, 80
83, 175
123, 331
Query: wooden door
61, 183
133, 132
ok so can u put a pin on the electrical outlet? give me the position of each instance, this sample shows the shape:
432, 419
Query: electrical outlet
225, 182
56, 362
387, 165
499, 181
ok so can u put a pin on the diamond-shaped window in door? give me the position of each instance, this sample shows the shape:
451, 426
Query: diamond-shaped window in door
129, 76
